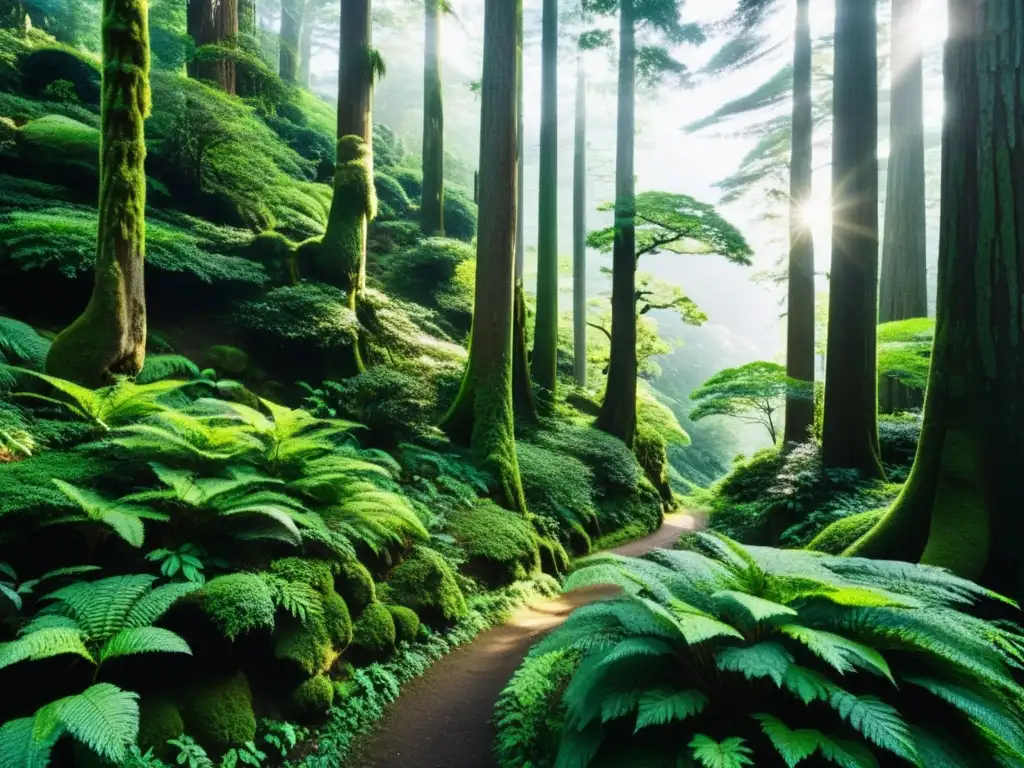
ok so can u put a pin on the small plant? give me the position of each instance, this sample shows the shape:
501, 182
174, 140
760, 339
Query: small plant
15, 592
190, 754
188, 560
281, 736
61, 90
247, 754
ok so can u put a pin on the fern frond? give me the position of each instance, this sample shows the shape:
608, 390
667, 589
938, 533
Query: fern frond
729, 753
792, 746
45, 644
104, 718
766, 659
847, 754
757, 608
102, 607
28, 741
154, 604
137, 640
160, 367
877, 721
578, 748
839, 652
659, 706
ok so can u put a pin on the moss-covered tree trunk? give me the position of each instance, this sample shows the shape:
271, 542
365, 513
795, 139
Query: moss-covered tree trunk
522, 387
850, 432
800, 299
247, 18
579, 231
544, 362
432, 206
903, 290
961, 506
292, 12
618, 411
341, 258
225, 27
109, 338
306, 44
482, 414
213, 22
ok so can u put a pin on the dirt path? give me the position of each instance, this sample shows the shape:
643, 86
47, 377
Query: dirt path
443, 719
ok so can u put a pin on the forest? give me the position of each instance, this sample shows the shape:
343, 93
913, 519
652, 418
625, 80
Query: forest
513, 383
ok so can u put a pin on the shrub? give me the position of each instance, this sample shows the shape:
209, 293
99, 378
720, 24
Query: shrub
426, 583
238, 603
388, 149
407, 623
43, 66
730, 655
61, 90
501, 544
314, 314
391, 194
460, 213
374, 631
411, 180
392, 236
898, 436
311, 699
159, 720
558, 485
219, 715
614, 467
844, 532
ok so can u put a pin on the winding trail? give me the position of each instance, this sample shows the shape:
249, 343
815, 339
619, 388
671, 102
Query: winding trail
443, 719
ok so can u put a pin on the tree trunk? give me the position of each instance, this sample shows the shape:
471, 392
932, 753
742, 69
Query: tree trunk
850, 432
199, 25
482, 414
13, 17
247, 17
579, 232
800, 300
544, 363
903, 292
210, 22
618, 411
109, 338
292, 12
961, 506
522, 387
306, 44
432, 206
225, 24
341, 258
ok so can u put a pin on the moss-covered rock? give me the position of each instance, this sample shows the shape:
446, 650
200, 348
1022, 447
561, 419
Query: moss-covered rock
306, 645
227, 359
312, 698
238, 603
319, 574
554, 559
426, 583
159, 720
842, 533
337, 621
501, 545
407, 623
374, 631
219, 715
354, 583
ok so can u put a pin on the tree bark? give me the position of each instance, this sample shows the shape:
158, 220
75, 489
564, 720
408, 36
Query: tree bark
306, 43
210, 22
850, 431
109, 338
341, 257
225, 24
482, 414
432, 206
579, 231
618, 411
961, 506
544, 363
800, 299
199, 26
292, 12
903, 291
247, 17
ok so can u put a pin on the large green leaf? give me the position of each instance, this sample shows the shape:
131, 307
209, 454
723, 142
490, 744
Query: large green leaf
136, 640
663, 705
104, 718
793, 746
45, 644
841, 653
765, 659
729, 753
877, 721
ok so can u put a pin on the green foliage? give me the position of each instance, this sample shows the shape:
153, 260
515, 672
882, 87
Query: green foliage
354, 583
752, 393
103, 718
407, 623
500, 544
219, 715
391, 196
559, 486
460, 213
774, 655
844, 532
677, 224
312, 314
20, 345
161, 367
313, 697
426, 583
305, 644
238, 603
159, 721
41, 67
905, 351
374, 631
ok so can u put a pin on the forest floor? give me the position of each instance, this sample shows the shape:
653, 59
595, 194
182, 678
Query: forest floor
443, 719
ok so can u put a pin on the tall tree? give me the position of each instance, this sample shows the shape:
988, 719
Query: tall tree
544, 362
109, 338
579, 228
212, 23
800, 296
618, 410
341, 257
961, 506
903, 292
247, 18
482, 414
292, 12
13, 17
432, 207
850, 431
306, 43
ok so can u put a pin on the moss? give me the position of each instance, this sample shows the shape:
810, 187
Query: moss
407, 623
159, 720
312, 698
557, 485
554, 559
238, 603
342, 260
219, 715
835, 539
501, 545
307, 645
391, 193
426, 583
337, 621
354, 583
226, 359
309, 314
375, 631
43, 66
318, 574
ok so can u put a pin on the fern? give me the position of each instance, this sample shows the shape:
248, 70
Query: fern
161, 367
699, 640
21, 345
124, 519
